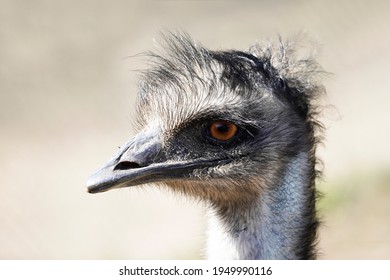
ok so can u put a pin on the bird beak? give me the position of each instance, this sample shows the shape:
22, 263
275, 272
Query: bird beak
140, 161
132, 165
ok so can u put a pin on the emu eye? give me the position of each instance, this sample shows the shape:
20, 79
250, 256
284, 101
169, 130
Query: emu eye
223, 130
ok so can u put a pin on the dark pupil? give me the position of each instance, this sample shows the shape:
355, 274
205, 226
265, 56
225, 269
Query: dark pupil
222, 127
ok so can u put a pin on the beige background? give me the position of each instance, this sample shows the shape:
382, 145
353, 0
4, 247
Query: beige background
67, 94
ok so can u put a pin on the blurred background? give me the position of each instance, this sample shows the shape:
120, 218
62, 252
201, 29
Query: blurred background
67, 93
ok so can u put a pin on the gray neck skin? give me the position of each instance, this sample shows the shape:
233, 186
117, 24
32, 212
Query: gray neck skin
274, 226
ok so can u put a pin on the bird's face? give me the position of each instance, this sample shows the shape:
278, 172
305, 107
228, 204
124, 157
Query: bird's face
211, 150
196, 148
203, 136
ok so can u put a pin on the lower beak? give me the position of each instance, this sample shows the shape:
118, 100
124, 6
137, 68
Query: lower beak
108, 178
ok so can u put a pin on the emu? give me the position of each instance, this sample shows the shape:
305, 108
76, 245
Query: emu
237, 130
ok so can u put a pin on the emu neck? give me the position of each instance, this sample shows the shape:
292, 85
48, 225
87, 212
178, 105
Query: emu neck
279, 224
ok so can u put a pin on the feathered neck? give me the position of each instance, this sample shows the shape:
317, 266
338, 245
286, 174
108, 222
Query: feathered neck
279, 224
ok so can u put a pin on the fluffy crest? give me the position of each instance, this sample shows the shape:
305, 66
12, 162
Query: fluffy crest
185, 68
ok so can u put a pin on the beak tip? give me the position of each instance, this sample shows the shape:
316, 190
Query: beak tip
100, 181
91, 191
93, 185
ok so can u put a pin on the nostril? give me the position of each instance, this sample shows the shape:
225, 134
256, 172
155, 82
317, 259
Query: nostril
125, 165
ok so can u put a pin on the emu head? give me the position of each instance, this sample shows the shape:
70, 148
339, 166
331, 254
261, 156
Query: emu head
217, 125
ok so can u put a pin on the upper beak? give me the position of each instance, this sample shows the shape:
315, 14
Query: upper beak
142, 160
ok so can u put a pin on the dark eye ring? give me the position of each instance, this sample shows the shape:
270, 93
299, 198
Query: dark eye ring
222, 130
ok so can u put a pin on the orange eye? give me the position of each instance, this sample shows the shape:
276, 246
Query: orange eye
223, 130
